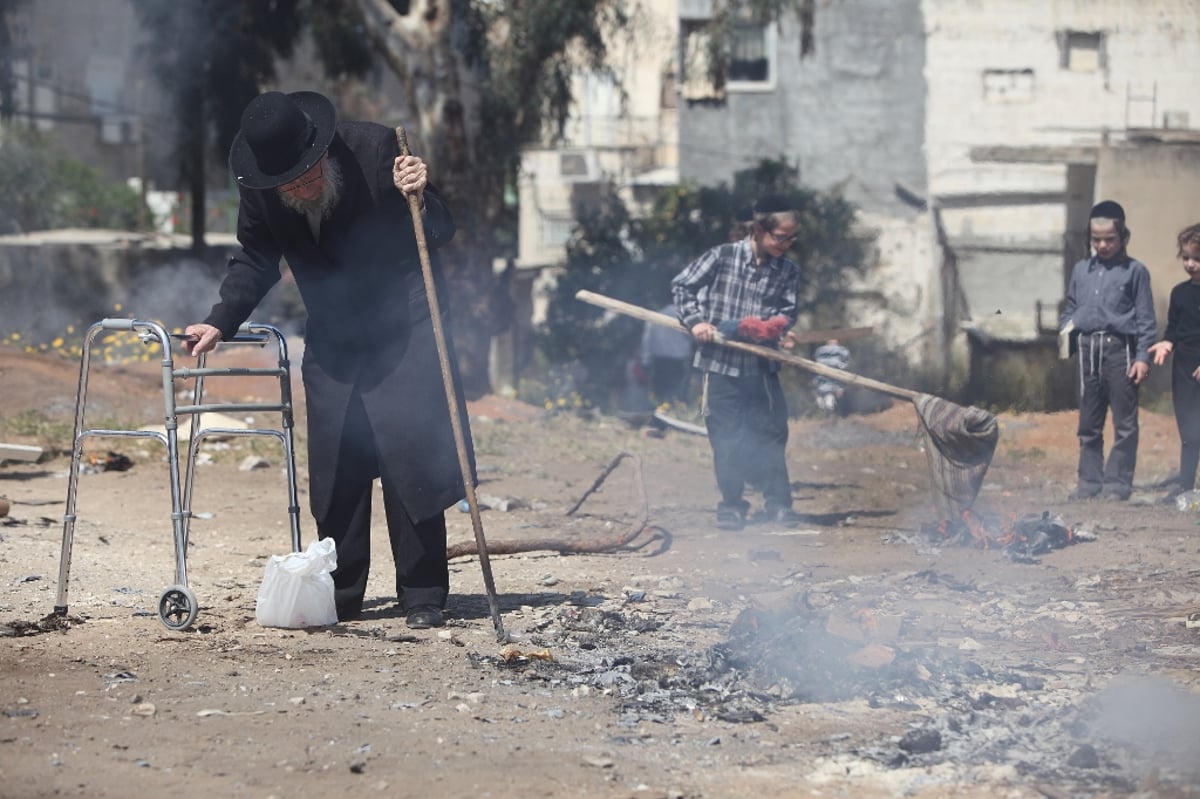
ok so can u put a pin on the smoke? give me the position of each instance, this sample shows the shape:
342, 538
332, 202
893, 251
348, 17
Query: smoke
175, 294
1153, 716
53, 294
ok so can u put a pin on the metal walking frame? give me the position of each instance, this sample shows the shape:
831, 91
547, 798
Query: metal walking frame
177, 606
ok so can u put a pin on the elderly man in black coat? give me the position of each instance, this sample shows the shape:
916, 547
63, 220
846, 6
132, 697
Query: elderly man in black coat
330, 198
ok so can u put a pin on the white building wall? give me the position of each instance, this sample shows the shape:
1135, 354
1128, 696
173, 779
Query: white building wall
910, 288
1037, 75
624, 130
995, 76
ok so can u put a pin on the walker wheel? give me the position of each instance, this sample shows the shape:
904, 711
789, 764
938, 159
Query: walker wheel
177, 607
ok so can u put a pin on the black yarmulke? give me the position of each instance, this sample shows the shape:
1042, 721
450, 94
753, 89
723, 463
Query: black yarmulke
1107, 209
772, 204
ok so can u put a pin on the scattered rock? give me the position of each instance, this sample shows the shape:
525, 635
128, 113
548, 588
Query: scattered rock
919, 741
252, 463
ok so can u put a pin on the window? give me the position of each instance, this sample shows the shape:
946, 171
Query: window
1082, 51
572, 165
752, 57
748, 54
751, 61
696, 83
1008, 85
556, 230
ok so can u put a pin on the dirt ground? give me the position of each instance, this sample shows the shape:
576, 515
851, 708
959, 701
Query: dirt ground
860, 655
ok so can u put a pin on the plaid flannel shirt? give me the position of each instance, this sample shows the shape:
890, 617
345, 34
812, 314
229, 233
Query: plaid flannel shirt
725, 284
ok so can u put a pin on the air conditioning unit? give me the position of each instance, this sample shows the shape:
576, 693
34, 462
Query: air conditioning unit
112, 129
577, 166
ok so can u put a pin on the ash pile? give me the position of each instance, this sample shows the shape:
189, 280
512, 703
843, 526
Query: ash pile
961, 711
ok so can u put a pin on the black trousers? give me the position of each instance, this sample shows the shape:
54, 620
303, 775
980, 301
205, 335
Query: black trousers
747, 428
1185, 395
418, 550
1104, 385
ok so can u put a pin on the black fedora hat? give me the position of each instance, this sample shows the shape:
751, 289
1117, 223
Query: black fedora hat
282, 137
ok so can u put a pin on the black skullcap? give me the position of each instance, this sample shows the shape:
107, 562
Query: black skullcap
772, 204
1108, 209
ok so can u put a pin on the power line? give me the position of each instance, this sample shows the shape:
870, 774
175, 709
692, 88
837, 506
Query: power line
90, 120
85, 98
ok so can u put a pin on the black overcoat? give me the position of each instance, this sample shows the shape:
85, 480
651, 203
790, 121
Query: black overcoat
368, 329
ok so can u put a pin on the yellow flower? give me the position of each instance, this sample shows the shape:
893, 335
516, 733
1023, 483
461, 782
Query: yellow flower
58, 342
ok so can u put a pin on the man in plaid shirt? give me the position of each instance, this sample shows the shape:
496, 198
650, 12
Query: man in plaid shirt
745, 289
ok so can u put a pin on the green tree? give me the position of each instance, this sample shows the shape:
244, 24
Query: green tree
633, 259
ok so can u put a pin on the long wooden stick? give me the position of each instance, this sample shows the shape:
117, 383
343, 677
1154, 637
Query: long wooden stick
439, 334
841, 376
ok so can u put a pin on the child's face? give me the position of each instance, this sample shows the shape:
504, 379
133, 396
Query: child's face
1191, 260
1106, 239
778, 241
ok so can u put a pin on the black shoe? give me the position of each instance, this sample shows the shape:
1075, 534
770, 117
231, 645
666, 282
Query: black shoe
730, 519
1170, 497
785, 516
425, 616
1079, 495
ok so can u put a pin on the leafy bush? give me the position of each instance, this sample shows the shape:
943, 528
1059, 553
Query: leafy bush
56, 191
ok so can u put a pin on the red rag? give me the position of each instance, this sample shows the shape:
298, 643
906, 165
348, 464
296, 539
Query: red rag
762, 330
777, 326
752, 328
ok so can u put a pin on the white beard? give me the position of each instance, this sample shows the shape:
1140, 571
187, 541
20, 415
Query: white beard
322, 206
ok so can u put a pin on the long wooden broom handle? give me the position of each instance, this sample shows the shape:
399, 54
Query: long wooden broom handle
839, 375
439, 334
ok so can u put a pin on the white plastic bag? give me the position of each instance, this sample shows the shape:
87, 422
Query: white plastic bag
297, 588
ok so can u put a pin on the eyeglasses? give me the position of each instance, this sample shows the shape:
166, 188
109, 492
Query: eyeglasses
781, 239
311, 176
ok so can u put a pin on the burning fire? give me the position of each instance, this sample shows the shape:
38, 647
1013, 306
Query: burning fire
1020, 538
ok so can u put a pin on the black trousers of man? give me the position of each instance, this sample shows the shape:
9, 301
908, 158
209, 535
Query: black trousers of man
747, 428
418, 549
1185, 394
1104, 384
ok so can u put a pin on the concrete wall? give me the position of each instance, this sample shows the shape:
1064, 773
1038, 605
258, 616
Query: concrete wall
1004, 72
852, 113
54, 281
1156, 185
